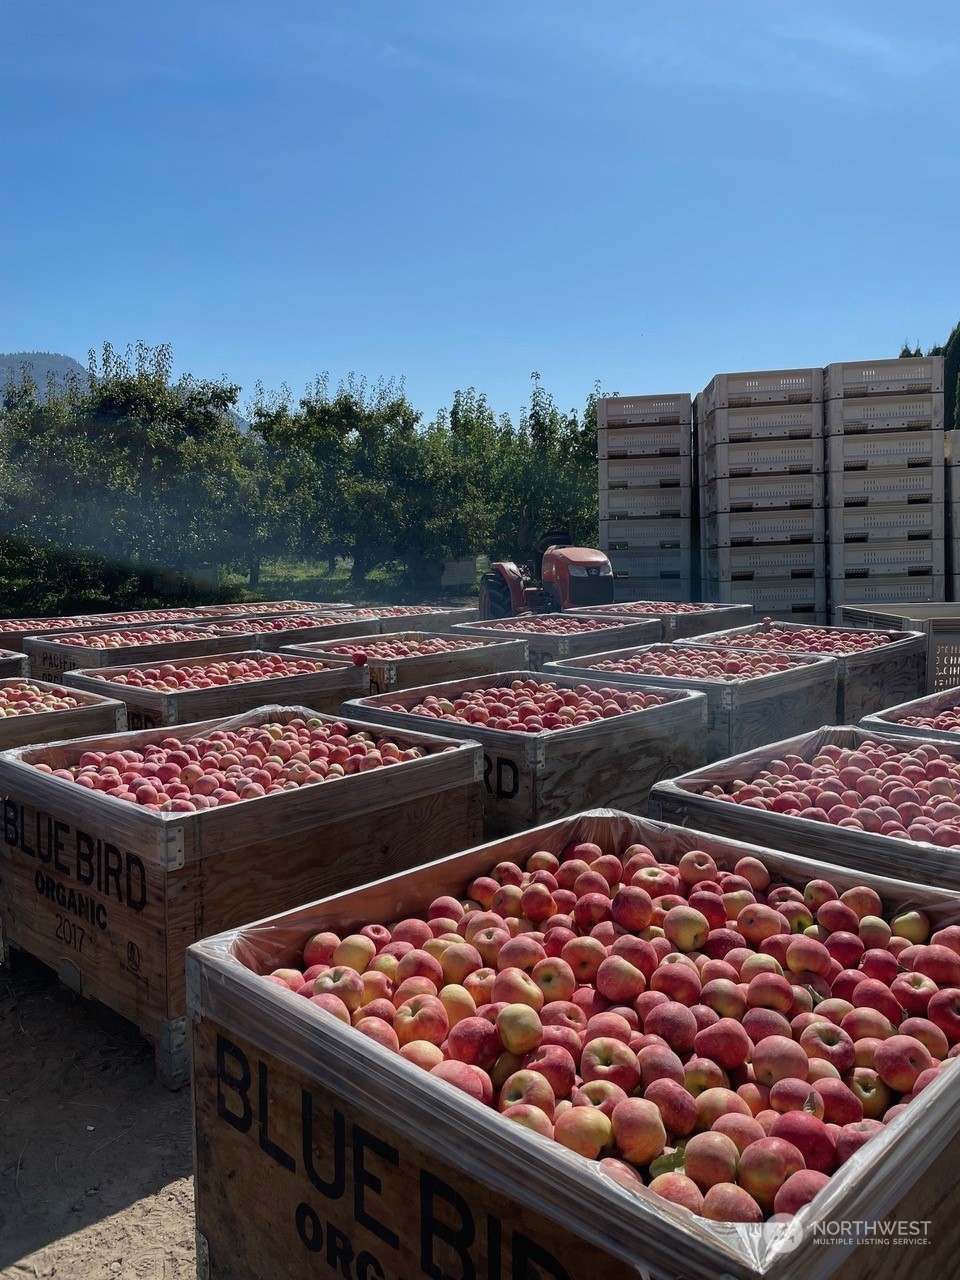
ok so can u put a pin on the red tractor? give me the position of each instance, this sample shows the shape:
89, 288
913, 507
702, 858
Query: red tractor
557, 577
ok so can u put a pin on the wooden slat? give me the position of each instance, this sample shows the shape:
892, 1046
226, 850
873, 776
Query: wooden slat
419, 669
120, 937
543, 647
96, 714
50, 658
740, 714
867, 681
681, 800
532, 777
677, 626
324, 690
13, 665
264, 1064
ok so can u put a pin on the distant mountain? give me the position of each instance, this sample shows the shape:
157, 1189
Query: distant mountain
42, 364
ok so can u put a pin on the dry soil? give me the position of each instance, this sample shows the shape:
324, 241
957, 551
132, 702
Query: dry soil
95, 1154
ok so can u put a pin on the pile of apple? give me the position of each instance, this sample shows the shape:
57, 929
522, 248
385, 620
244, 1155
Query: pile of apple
170, 679
226, 766
698, 664
526, 706
553, 624
912, 793
38, 624
825, 640
21, 698
120, 639
392, 611
147, 615
728, 1043
388, 647
947, 721
266, 606
248, 626
656, 606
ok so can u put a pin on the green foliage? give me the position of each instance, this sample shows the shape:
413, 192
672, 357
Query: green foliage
116, 484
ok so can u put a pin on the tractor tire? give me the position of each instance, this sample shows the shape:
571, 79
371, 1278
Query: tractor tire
495, 599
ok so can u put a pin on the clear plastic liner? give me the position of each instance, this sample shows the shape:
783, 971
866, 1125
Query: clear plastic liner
653, 1236
681, 800
890, 720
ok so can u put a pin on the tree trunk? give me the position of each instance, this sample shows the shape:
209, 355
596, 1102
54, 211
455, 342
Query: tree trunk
253, 566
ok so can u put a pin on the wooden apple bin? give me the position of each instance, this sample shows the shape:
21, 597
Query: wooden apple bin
323, 690
741, 713
110, 895
530, 778
315, 1146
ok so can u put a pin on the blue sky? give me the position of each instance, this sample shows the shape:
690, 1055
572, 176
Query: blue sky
458, 194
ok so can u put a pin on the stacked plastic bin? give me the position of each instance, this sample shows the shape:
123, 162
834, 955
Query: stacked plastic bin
885, 481
759, 440
644, 452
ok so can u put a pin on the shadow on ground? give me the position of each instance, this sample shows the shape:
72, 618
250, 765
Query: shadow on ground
95, 1154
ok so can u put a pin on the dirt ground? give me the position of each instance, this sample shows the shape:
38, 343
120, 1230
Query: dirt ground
95, 1154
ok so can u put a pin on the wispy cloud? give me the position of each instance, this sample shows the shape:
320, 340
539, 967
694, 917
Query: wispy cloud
751, 49
906, 57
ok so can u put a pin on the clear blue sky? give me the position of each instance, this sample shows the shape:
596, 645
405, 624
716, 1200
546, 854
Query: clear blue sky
461, 193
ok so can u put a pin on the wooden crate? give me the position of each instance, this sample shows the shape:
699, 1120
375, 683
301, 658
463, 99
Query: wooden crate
742, 714
97, 713
247, 633
676, 623
939, 622
308, 1133
866, 681
50, 657
260, 608
890, 719
13, 664
543, 647
323, 690
681, 800
534, 777
406, 673
110, 894
14, 630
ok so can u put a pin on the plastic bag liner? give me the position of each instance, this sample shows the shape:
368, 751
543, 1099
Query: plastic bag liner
216, 831
657, 1238
890, 721
682, 800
